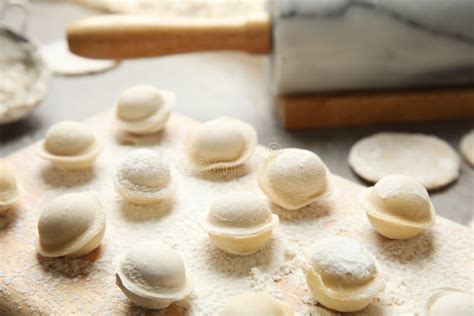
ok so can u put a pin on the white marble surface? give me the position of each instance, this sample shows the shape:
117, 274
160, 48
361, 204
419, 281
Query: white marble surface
327, 45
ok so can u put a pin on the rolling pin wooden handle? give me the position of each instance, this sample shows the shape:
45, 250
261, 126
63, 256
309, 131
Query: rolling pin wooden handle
122, 36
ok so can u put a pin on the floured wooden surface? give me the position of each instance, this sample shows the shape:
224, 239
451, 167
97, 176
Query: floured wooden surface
32, 284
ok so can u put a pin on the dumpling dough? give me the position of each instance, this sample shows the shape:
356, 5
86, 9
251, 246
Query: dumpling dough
467, 147
239, 223
255, 304
9, 190
71, 225
152, 275
221, 143
293, 178
144, 178
342, 274
450, 302
398, 207
144, 109
428, 159
60, 60
70, 145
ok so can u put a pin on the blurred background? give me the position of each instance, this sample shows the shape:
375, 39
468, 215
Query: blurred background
207, 85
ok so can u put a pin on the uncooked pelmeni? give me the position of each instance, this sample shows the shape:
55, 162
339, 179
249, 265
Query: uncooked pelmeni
144, 109
342, 274
70, 145
221, 143
449, 302
255, 304
71, 225
428, 159
398, 207
61, 61
239, 223
144, 178
293, 178
9, 190
152, 275
467, 147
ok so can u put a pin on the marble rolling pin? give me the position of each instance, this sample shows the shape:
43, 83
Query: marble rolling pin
331, 63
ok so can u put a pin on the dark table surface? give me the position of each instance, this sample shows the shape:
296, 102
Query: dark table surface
209, 85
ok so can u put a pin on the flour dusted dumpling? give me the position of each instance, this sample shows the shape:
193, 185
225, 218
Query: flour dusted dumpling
144, 178
239, 223
221, 143
450, 302
293, 178
9, 190
144, 109
70, 145
428, 159
152, 275
255, 304
467, 147
398, 207
342, 274
71, 225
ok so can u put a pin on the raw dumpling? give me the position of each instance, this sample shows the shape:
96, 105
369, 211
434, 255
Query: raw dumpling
342, 274
70, 145
239, 223
144, 178
221, 143
71, 225
450, 302
9, 190
255, 304
428, 159
144, 109
467, 147
152, 275
398, 207
293, 178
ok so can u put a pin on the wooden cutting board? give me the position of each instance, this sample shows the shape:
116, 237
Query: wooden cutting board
30, 284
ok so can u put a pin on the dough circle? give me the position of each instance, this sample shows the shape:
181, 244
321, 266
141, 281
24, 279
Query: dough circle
239, 223
73, 225
467, 147
152, 275
449, 301
253, 304
61, 61
428, 159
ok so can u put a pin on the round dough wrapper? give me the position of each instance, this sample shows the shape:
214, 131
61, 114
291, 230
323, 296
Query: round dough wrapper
467, 147
9, 190
253, 304
398, 207
144, 109
428, 159
450, 302
73, 224
221, 143
239, 223
342, 274
293, 178
61, 61
152, 275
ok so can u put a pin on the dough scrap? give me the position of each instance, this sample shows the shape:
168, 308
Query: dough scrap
467, 147
428, 159
61, 61
253, 304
